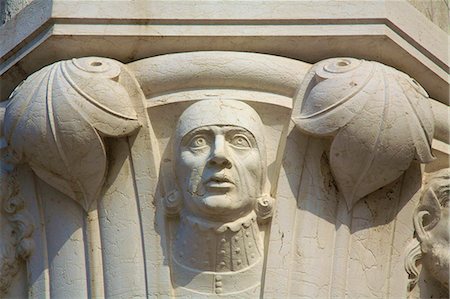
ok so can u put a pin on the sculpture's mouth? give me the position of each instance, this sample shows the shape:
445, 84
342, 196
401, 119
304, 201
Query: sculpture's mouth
219, 181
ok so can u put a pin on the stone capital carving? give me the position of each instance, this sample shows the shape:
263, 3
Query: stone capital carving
215, 167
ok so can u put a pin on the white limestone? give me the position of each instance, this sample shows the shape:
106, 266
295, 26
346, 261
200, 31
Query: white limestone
430, 248
392, 32
183, 175
65, 110
221, 178
188, 165
370, 110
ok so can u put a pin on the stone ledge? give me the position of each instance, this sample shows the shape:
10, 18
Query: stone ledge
392, 32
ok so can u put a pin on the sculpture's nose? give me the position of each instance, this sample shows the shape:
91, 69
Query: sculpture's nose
219, 155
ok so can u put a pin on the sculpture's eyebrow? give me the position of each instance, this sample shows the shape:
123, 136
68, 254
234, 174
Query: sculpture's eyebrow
230, 131
197, 131
208, 131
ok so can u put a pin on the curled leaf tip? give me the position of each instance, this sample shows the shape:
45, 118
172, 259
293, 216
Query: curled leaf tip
380, 120
65, 110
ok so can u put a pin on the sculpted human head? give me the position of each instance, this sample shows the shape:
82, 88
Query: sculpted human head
432, 225
220, 159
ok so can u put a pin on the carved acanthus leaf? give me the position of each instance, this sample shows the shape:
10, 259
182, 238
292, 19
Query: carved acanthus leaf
16, 242
380, 119
56, 121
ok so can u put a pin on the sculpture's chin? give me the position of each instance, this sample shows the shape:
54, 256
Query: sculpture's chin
437, 261
220, 207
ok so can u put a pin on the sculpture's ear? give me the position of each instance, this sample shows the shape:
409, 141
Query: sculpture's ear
427, 214
173, 203
264, 208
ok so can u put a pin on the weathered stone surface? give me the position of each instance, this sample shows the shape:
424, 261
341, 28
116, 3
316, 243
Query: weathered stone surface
206, 169
436, 11
183, 175
9, 8
429, 250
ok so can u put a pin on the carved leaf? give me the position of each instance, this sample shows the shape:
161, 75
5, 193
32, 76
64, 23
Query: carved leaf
16, 224
57, 118
380, 119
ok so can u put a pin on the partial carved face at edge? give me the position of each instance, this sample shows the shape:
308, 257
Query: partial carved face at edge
436, 249
432, 225
220, 159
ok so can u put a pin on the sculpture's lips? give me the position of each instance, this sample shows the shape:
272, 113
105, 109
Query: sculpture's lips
219, 181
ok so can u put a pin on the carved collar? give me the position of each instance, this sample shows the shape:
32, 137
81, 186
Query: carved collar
220, 227
207, 283
208, 246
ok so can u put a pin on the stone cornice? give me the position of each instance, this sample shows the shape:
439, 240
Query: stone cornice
305, 30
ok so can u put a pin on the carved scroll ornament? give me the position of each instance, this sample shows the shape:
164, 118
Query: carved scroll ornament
16, 227
57, 119
380, 120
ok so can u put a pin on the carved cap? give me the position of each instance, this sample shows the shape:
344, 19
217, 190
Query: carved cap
222, 112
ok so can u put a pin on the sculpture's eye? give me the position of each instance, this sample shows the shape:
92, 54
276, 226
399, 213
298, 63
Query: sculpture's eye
198, 142
240, 141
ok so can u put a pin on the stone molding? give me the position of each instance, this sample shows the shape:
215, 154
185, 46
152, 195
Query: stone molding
411, 44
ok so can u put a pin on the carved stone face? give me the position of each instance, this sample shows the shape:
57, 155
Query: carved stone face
432, 224
437, 248
220, 159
